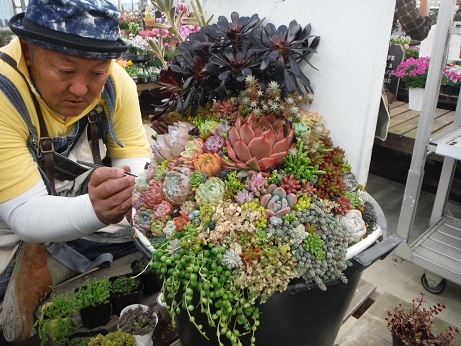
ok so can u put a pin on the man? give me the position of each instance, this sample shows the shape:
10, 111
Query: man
63, 99
414, 21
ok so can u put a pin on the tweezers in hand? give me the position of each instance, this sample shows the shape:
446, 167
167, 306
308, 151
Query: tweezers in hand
95, 165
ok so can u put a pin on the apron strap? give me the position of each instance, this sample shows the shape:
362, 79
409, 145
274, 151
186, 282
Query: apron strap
93, 116
45, 145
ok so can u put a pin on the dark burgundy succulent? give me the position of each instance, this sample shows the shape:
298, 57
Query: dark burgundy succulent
284, 49
214, 63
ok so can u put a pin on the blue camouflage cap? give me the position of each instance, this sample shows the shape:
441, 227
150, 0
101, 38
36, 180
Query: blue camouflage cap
87, 28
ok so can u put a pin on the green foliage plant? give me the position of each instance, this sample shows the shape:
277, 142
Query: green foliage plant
298, 163
81, 341
92, 293
117, 338
124, 285
142, 265
56, 321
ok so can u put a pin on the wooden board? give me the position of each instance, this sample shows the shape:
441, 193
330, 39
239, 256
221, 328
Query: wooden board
403, 126
363, 291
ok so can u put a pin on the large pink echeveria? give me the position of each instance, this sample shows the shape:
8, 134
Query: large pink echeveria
258, 143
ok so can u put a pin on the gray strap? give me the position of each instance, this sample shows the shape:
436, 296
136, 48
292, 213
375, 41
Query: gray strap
14, 96
109, 94
75, 261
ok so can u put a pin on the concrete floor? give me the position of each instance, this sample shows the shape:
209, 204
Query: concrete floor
402, 278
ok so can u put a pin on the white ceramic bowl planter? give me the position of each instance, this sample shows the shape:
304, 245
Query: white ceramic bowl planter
141, 339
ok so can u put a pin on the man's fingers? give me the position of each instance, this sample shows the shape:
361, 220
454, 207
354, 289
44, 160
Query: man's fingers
103, 174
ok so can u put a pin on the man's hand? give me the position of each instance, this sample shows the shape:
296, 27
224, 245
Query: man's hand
424, 8
110, 193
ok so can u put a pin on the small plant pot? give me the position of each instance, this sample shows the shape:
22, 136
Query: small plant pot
148, 278
121, 300
162, 308
59, 329
96, 316
82, 338
144, 339
396, 341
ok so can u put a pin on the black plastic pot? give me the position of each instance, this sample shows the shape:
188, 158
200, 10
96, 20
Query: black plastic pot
120, 301
96, 316
302, 313
396, 341
88, 334
148, 279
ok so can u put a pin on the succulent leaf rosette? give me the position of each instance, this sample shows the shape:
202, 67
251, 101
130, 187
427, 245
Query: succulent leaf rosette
254, 195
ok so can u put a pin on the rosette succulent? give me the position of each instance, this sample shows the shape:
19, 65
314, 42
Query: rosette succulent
210, 192
172, 143
153, 194
354, 224
258, 143
177, 186
208, 163
277, 202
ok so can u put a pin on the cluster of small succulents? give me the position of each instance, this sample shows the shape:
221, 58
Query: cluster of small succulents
251, 200
138, 321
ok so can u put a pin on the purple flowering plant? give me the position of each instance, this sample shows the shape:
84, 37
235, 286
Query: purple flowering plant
413, 71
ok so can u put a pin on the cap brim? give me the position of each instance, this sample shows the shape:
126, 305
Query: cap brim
66, 43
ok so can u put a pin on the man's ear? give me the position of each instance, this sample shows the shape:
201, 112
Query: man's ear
26, 51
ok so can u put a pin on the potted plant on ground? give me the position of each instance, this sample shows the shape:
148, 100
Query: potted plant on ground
83, 338
125, 290
414, 325
93, 301
117, 338
56, 321
139, 320
142, 268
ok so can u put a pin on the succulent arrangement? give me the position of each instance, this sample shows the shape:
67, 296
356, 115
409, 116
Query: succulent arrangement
242, 197
412, 326
246, 190
137, 320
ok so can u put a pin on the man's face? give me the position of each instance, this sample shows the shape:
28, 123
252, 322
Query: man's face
68, 84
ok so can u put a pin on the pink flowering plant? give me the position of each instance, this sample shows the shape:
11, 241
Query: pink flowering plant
175, 25
413, 71
451, 75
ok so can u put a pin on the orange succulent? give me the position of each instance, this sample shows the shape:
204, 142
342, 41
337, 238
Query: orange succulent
208, 163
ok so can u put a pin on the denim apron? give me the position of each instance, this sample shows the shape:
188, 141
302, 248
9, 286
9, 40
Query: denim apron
71, 179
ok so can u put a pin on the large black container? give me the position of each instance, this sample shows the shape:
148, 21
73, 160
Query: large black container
301, 315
